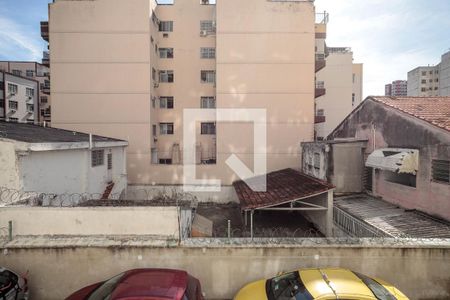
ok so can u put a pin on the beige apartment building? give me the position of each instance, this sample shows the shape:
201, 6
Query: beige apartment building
129, 68
430, 80
339, 85
36, 72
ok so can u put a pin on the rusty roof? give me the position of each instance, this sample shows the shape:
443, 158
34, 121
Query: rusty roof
283, 186
434, 110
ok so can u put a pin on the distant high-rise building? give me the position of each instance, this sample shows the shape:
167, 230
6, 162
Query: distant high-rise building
397, 88
430, 80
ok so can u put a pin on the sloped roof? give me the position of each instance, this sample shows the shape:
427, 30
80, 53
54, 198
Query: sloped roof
29, 133
283, 186
434, 110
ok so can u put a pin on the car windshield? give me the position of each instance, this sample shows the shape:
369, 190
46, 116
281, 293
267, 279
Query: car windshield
104, 291
287, 287
380, 292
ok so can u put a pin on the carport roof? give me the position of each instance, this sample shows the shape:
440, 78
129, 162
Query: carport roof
283, 186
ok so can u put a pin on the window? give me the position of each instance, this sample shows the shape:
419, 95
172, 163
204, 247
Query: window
353, 99
30, 121
153, 102
12, 88
354, 78
440, 170
208, 76
30, 108
17, 72
377, 289
207, 52
29, 92
208, 128
165, 128
109, 161
320, 112
166, 102
165, 161
30, 73
44, 100
165, 52
166, 26
287, 286
208, 102
424, 73
431, 72
424, 81
13, 104
2, 103
153, 74
317, 161
423, 89
207, 27
431, 80
97, 158
436, 80
154, 130
166, 76
401, 178
14, 120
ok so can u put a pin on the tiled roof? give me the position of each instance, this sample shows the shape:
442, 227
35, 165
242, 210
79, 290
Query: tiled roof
283, 186
434, 110
29, 133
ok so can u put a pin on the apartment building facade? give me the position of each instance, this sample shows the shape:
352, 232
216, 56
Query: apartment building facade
339, 84
130, 68
398, 88
430, 80
19, 98
38, 72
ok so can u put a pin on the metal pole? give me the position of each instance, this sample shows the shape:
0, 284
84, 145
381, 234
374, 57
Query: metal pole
10, 230
229, 229
251, 224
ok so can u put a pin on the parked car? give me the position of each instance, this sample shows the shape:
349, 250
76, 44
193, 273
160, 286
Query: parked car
323, 284
12, 285
142, 284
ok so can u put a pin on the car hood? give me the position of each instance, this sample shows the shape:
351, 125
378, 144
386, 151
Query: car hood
253, 291
84, 292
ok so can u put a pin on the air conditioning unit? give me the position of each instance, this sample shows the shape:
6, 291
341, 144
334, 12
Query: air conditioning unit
203, 33
30, 97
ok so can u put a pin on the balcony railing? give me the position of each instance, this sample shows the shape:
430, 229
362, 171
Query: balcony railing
339, 49
320, 62
46, 58
320, 89
322, 18
44, 30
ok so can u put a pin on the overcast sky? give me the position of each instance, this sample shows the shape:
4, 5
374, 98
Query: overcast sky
390, 37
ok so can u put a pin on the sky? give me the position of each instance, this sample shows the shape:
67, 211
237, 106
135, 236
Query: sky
390, 37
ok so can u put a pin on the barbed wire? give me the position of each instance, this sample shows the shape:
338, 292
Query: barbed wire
136, 197
266, 232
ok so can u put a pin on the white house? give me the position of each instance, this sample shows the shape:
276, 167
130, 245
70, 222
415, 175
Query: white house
56, 161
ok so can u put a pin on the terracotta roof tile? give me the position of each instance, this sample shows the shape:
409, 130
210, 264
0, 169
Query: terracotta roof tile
282, 187
434, 110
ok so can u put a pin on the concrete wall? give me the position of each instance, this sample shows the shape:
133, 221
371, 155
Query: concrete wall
9, 169
348, 167
70, 171
309, 151
88, 221
377, 124
421, 272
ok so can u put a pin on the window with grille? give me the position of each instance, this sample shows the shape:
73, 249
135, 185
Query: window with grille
208, 76
29, 92
208, 128
166, 26
165, 52
165, 161
166, 102
110, 161
13, 104
207, 52
207, 26
316, 161
30, 108
165, 128
12, 88
97, 158
208, 102
17, 72
44, 99
440, 170
166, 76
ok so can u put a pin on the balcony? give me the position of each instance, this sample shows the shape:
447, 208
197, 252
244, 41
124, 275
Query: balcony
320, 62
44, 30
320, 89
45, 88
46, 58
342, 50
319, 119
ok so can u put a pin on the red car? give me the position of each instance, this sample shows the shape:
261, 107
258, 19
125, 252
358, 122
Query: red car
144, 284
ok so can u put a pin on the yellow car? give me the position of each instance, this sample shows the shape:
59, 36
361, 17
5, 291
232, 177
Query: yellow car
320, 284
